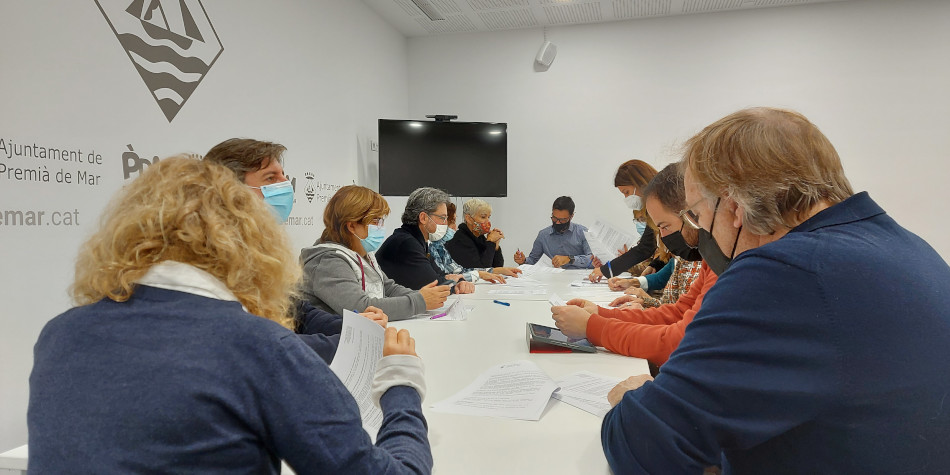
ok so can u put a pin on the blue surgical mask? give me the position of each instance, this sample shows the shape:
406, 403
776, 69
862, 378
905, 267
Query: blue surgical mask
374, 238
641, 226
449, 234
280, 197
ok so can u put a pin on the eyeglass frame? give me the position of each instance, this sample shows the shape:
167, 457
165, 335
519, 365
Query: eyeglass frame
443, 217
566, 220
377, 222
689, 218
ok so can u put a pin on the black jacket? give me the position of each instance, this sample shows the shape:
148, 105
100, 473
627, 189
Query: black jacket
405, 259
473, 252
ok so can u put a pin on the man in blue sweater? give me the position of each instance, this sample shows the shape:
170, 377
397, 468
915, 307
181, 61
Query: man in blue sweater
823, 347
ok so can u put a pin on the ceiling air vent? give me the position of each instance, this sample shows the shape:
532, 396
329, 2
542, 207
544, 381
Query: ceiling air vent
427, 8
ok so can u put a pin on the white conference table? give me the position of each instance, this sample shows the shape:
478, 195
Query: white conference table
566, 439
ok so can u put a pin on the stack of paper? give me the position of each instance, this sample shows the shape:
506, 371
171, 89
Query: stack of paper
516, 390
586, 391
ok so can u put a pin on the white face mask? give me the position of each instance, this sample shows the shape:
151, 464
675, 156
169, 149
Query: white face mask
440, 230
633, 202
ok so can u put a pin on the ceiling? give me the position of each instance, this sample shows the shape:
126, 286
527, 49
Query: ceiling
412, 17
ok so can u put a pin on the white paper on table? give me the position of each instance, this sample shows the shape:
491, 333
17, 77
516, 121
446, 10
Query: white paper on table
588, 283
518, 291
556, 301
515, 390
455, 312
524, 282
586, 391
528, 269
359, 351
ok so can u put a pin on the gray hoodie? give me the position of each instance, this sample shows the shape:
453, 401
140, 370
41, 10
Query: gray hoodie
337, 278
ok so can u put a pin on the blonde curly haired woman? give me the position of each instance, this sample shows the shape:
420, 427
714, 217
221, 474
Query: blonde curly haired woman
179, 356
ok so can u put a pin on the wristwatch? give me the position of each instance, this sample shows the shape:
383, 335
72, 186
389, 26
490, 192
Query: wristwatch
570, 260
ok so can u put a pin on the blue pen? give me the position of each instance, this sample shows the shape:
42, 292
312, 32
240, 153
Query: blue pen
499, 302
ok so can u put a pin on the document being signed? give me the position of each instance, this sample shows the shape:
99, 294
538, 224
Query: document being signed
515, 390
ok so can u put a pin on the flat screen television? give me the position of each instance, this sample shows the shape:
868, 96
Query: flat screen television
462, 158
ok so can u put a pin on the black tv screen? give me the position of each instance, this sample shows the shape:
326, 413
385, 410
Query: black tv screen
462, 158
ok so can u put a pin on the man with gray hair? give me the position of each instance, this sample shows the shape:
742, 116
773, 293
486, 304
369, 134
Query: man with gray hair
405, 256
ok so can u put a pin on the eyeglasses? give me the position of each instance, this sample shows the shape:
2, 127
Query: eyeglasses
442, 217
689, 217
557, 220
378, 222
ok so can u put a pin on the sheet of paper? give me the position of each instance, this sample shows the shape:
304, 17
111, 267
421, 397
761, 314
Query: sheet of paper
556, 301
528, 270
611, 237
587, 283
361, 347
586, 391
455, 312
598, 248
515, 390
522, 291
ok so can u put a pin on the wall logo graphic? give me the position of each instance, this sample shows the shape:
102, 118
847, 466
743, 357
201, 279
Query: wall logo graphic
310, 191
171, 43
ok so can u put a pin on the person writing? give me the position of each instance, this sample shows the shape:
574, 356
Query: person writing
340, 269
797, 361
564, 242
648, 333
405, 255
179, 355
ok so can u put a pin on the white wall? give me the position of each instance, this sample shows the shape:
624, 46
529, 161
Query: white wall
313, 75
872, 75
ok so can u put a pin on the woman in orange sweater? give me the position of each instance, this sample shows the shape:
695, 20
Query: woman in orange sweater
651, 333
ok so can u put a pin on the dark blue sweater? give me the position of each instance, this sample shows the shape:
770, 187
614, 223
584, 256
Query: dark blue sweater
318, 329
172, 382
826, 351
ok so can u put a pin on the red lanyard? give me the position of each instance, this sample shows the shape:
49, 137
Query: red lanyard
362, 274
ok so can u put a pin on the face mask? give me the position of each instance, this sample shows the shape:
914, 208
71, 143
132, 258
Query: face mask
633, 202
440, 230
678, 246
374, 238
449, 234
280, 197
712, 254
641, 226
484, 227
560, 227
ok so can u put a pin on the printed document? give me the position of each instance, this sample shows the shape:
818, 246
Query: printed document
361, 347
610, 238
556, 301
452, 310
515, 390
586, 391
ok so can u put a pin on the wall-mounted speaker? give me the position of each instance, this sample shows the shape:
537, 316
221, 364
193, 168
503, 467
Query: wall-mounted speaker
546, 54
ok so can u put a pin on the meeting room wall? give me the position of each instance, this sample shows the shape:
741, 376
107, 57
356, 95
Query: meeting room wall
313, 76
872, 75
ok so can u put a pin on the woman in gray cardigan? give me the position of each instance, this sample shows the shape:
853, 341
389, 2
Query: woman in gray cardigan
340, 270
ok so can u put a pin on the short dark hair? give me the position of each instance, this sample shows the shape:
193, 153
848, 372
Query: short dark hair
667, 187
245, 155
564, 203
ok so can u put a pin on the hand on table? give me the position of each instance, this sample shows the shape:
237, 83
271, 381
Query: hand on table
619, 283
489, 277
434, 295
464, 287
629, 384
596, 275
398, 343
375, 315
455, 277
637, 292
509, 271
558, 261
571, 319
626, 301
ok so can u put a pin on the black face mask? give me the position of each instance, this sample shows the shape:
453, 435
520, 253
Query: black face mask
678, 246
560, 227
712, 254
